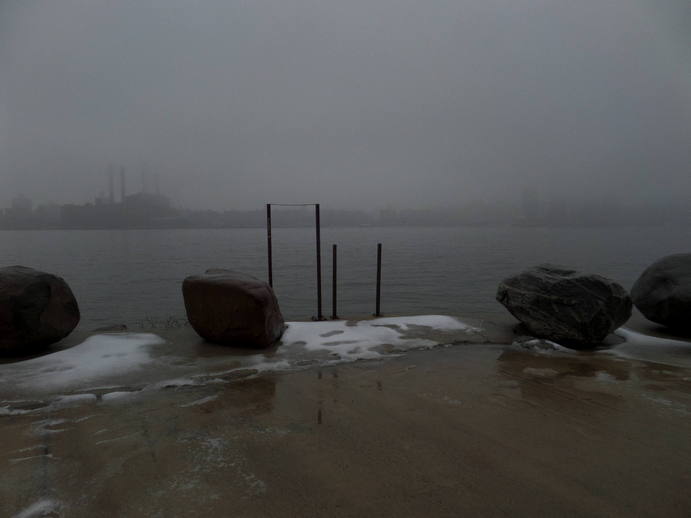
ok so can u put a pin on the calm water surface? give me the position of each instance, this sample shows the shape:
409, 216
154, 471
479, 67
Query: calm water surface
127, 276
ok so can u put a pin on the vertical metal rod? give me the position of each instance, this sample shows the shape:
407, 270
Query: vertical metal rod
334, 267
319, 264
378, 311
268, 240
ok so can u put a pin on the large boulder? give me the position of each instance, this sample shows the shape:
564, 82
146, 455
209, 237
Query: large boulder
663, 292
232, 308
36, 309
566, 306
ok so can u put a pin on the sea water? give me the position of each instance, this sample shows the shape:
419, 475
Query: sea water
135, 276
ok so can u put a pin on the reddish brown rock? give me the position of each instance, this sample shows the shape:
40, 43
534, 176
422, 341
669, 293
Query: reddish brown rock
232, 308
36, 310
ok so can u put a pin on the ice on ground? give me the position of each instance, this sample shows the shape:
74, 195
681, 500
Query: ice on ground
200, 401
98, 356
33, 457
117, 395
644, 347
540, 373
46, 426
540, 345
73, 400
605, 377
437, 322
358, 340
120, 365
633, 345
636, 338
8, 410
44, 507
48, 405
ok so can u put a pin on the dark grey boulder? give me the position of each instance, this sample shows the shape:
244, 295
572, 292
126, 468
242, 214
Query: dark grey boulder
36, 310
663, 292
232, 308
566, 306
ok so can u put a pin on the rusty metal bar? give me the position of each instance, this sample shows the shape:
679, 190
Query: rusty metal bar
268, 240
319, 264
334, 270
377, 313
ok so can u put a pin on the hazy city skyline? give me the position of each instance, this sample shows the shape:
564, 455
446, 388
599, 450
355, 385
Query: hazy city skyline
357, 105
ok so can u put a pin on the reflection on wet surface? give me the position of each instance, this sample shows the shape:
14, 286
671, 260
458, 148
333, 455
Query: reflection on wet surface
607, 381
455, 428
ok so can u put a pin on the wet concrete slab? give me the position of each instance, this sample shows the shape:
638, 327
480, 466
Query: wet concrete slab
468, 430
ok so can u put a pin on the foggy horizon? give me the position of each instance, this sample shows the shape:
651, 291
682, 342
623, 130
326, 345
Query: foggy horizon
358, 105
345, 259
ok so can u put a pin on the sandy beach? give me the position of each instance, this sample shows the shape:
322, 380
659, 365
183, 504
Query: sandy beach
465, 430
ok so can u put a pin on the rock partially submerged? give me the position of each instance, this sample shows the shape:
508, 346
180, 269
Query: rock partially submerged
36, 309
232, 308
663, 292
566, 306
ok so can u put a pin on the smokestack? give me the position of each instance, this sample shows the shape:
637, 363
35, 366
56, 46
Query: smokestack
122, 184
111, 185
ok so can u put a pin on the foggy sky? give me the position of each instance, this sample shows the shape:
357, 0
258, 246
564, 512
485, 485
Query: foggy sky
357, 103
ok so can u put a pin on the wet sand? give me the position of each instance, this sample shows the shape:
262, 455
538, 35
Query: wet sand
468, 430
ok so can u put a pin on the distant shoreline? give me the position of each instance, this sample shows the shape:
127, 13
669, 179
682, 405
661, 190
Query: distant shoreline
420, 225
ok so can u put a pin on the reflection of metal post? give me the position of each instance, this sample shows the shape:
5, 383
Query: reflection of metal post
378, 311
268, 242
334, 268
319, 264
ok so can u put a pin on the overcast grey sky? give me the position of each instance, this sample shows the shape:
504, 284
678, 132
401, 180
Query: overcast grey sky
354, 103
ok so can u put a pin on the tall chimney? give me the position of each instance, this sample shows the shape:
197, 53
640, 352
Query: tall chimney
122, 184
111, 185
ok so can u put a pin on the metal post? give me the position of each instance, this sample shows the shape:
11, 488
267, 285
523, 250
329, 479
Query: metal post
378, 311
319, 264
268, 239
334, 267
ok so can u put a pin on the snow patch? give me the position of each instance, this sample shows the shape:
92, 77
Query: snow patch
438, 322
97, 356
101, 361
72, 400
540, 345
117, 395
175, 383
605, 377
635, 338
43, 507
44, 426
272, 366
671, 405
198, 402
360, 340
105, 441
8, 410
540, 373
42, 456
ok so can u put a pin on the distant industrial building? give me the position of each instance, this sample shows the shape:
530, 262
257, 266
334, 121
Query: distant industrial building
138, 210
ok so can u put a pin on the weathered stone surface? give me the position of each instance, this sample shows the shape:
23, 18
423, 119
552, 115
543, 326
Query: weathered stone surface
232, 308
663, 292
36, 309
564, 305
